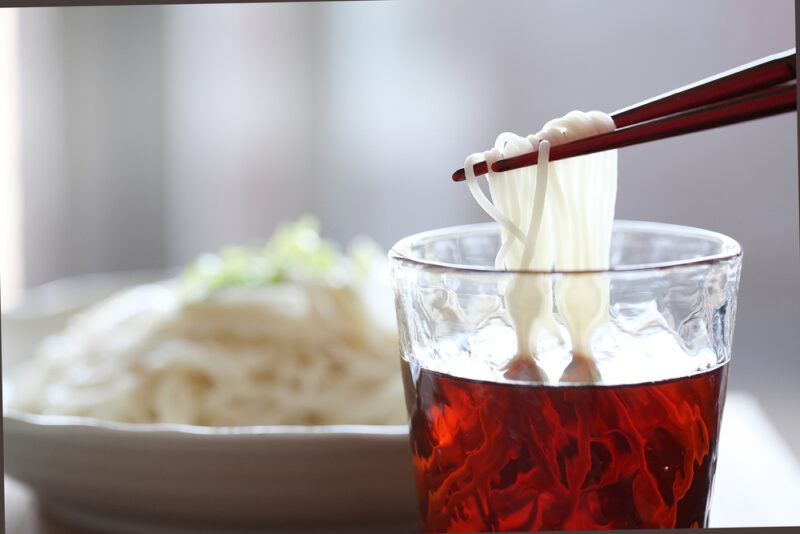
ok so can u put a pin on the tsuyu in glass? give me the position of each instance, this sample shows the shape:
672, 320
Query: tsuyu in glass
631, 444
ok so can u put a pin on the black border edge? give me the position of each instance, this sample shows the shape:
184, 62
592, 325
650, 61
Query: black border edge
66, 3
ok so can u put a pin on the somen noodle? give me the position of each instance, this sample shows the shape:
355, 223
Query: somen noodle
553, 216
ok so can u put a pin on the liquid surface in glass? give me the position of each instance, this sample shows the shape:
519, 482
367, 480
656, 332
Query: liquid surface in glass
494, 456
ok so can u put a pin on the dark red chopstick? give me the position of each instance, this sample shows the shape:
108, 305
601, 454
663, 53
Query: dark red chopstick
719, 96
765, 72
767, 102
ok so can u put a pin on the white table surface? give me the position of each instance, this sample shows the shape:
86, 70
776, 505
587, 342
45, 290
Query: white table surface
757, 481
758, 478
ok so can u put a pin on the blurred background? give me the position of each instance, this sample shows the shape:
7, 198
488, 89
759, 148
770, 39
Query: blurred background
138, 137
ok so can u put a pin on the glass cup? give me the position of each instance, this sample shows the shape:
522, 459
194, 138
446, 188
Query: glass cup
513, 430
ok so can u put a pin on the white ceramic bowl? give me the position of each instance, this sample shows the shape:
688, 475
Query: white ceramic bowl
180, 478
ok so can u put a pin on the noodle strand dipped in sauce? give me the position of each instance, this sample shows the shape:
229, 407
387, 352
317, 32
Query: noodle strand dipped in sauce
633, 447
553, 216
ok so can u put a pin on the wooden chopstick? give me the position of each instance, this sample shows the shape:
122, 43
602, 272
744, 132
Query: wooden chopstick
745, 93
764, 103
764, 72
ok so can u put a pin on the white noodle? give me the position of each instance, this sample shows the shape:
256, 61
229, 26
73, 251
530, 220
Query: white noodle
300, 352
538, 204
484, 202
566, 209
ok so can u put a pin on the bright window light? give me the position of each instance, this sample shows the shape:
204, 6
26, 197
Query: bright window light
11, 275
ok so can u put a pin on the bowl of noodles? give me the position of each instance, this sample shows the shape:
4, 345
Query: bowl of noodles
259, 387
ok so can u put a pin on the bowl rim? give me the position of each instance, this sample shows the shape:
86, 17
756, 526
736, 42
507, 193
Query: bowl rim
65, 422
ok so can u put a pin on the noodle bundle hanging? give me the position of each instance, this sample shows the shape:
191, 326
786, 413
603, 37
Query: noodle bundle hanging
553, 216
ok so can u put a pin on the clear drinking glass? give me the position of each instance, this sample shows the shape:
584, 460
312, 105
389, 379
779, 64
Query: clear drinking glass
630, 443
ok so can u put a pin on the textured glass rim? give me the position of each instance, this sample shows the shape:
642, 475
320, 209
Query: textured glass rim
729, 249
